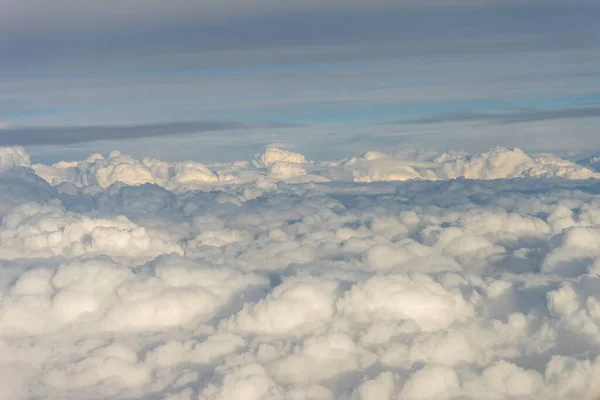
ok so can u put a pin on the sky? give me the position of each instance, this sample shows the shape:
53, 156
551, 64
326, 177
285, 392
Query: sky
299, 200
222, 79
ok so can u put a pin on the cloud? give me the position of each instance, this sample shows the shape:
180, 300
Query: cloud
147, 13
592, 162
272, 155
11, 157
293, 306
30, 136
126, 278
516, 117
275, 165
497, 163
35, 230
103, 172
396, 298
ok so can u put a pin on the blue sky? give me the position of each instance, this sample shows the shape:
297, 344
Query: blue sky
340, 67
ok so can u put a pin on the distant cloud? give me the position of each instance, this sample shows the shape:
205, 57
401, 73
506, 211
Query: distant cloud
516, 117
332, 60
273, 165
32, 136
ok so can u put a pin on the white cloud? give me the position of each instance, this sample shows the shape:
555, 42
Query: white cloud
498, 163
125, 278
11, 157
116, 362
399, 298
250, 382
275, 164
291, 309
36, 230
382, 387
273, 155
503, 380
432, 382
320, 358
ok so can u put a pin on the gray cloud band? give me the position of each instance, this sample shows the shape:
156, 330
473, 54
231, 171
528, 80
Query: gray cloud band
513, 117
30, 136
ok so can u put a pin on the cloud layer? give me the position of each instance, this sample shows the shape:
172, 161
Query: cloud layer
414, 275
23, 136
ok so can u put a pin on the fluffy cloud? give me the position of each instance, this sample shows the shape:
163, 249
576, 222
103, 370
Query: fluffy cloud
280, 278
294, 307
273, 155
109, 296
498, 163
416, 299
592, 162
274, 164
103, 172
36, 230
11, 157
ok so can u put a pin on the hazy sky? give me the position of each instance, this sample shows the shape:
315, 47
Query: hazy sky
335, 68
301, 199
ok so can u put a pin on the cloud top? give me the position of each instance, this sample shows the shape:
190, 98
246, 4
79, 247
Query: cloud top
441, 276
275, 164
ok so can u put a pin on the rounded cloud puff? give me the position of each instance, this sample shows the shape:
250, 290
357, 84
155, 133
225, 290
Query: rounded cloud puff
186, 172
506, 380
103, 172
281, 169
321, 358
113, 362
250, 382
400, 298
36, 231
11, 157
294, 307
498, 163
432, 382
102, 295
272, 155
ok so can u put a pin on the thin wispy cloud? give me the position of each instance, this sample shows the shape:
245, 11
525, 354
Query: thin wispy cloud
97, 63
512, 117
36, 136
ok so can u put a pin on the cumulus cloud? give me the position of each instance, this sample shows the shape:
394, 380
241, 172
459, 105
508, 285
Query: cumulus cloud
498, 163
273, 155
274, 165
11, 157
38, 230
399, 298
282, 278
592, 162
291, 309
